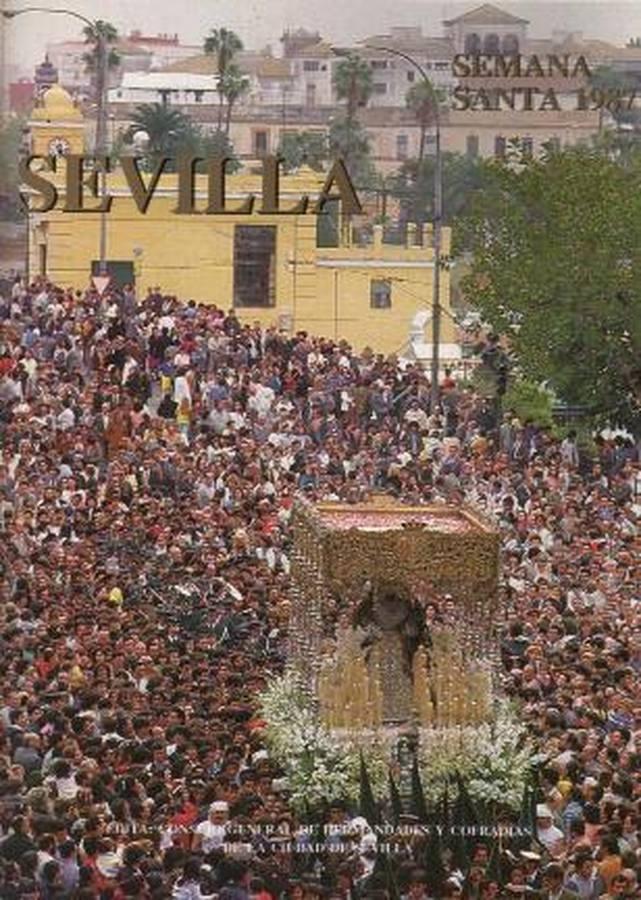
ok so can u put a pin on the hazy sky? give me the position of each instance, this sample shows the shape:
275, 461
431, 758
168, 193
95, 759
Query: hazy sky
259, 23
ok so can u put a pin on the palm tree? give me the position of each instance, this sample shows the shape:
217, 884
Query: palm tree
224, 44
170, 131
352, 80
423, 100
234, 85
110, 34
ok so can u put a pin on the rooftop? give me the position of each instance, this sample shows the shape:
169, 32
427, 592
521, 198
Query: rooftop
487, 14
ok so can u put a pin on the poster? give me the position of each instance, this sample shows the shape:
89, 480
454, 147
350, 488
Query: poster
320, 434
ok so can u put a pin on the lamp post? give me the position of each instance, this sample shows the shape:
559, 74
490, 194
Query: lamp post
102, 65
438, 223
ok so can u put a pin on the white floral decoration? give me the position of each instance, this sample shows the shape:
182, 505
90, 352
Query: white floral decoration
321, 765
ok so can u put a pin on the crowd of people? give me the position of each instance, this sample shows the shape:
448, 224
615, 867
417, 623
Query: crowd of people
151, 453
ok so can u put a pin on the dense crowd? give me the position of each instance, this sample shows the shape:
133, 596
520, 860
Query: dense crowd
151, 453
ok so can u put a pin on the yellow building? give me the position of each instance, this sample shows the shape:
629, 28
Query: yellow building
293, 271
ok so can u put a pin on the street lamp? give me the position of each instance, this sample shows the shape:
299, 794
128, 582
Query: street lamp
102, 54
438, 217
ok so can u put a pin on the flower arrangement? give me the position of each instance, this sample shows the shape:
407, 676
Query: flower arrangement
494, 759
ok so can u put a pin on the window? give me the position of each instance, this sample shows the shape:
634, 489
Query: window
328, 224
198, 96
379, 88
311, 65
380, 294
554, 144
254, 265
472, 44
441, 66
510, 45
491, 45
411, 76
260, 143
499, 147
42, 259
472, 145
310, 95
402, 143
379, 64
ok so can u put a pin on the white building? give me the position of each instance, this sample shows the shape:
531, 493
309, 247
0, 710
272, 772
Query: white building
165, 49
168, 88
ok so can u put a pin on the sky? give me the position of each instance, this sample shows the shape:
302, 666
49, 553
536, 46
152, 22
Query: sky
261, 22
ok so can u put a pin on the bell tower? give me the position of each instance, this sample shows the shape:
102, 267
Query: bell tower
56, 126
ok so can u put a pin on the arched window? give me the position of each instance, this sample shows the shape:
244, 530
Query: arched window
472, 44
510, 45
491, 45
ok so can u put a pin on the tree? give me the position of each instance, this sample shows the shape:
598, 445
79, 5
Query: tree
413, 186
170, 131
557, 266
173, 134
110, 35
352, 80
224, 44
235, 84
350, 142
11, 130
611, 88
423, 100
304, 147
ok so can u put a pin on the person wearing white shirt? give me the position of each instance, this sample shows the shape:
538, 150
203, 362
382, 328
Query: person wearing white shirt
211, 833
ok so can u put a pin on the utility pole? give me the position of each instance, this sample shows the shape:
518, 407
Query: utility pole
438, 223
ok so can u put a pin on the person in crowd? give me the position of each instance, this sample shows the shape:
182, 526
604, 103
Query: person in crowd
150, 454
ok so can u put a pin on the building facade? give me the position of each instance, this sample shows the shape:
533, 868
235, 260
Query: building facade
301, 271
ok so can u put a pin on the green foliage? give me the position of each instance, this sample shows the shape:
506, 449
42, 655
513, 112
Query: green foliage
528, 401
423, 100
413, 185
557, 266
217, 144
350, 142
11, 208
224, 44
173, 134
234, 85
352, 81
304, 147
91, 34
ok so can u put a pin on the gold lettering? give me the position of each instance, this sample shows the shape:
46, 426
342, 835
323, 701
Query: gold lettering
556, 66
76, 181
550, 100
186, 184
271, 198
350, 204
46, 189
507, 96
460, 66
508, 67
534, 68
142, 195
581, 68
462, 97
216, 191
